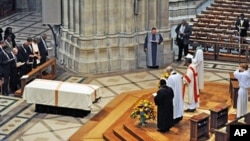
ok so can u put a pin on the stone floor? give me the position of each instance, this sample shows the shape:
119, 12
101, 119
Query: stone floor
19, 122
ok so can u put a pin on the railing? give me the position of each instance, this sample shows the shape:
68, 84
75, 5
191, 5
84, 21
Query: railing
38, 73
225, 51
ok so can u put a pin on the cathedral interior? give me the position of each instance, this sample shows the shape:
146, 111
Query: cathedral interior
101, 43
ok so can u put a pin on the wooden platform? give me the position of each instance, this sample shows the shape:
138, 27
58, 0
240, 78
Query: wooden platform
113, 123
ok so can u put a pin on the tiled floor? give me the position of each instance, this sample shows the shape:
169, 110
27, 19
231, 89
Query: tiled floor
19, 122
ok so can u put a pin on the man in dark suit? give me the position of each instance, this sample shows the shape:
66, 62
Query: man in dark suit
4, 68
23, 56
14, 71
242, 25
183, 31
43, 48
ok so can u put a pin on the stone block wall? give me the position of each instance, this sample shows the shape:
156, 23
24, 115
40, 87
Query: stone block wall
106, 36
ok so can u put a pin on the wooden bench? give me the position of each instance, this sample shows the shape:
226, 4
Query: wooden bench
223, 134
38, 73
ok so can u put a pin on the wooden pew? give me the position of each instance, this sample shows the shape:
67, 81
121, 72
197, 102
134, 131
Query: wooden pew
37, 73
223, 134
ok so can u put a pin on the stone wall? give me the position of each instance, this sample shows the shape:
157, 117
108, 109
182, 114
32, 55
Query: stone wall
100, 36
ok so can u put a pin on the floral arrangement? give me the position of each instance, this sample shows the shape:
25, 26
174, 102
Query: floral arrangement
143, 110
163, 76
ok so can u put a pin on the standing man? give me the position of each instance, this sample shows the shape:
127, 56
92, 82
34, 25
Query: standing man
190, 87
164, 102
152, 48
4, 68
14, 71
183, 32
175, 82
242, 25
43, 48
23, 56
243, 76
198, 62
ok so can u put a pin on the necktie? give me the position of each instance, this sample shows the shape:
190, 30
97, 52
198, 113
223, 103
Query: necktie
44, 44
14, 56
24, 49
5, 53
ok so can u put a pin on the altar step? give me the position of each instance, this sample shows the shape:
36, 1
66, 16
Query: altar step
128, 129
109, 123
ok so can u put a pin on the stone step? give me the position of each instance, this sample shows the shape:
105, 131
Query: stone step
122, 134
110, 136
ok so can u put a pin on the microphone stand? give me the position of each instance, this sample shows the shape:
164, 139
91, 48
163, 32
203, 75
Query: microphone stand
239, 43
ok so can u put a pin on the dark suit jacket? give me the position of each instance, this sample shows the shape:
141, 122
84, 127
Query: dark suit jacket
4, 64
245, 25
43, 51
187, 33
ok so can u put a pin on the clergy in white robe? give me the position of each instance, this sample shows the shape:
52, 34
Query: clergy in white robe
190, 87
175, 82
198, 62
242, 74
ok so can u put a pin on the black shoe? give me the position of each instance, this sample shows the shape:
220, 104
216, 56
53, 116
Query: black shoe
189, 110
163, 131
178, 60
44, 73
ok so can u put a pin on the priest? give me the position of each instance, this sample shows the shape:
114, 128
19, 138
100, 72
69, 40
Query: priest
152, 48
164, 102
175, 82
190, 87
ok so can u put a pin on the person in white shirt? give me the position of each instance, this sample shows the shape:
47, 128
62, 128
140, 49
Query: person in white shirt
198, 62
183, 31
242, 74
36, 52
175, 82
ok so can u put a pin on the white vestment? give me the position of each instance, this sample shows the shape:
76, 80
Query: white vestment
244, 83
175, 82
191, 90
198, 61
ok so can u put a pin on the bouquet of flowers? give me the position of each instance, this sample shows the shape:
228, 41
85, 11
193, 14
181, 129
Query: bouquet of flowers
143, 110
165, 76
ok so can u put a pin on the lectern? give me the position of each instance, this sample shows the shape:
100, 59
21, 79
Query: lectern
219, 116
199, 129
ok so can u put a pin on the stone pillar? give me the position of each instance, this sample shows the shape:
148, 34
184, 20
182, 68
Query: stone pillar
65, 13
71, 14
163, 14
152, 13
110, 37
87, 18
101, 15
76, 16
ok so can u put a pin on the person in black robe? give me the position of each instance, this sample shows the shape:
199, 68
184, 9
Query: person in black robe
164, 102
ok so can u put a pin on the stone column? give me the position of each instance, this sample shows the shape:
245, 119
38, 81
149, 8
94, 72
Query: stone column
163, 14
86, 19
65, 14
112, 15
101, 15
76, 16
71, 14
152, 14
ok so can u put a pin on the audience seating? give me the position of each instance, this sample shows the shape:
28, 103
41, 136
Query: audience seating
217, 24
